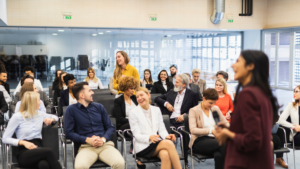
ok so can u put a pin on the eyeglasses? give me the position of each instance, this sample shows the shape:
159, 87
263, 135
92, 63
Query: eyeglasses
297, 91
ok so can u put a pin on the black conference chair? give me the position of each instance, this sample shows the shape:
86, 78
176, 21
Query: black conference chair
101, 91
50, 137
105, 100
50, 92
155, 160
97, 164
187, 134
153, 96
285, 148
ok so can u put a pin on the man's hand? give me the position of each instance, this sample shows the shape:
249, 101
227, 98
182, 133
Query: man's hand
171, 137
90, 140
98, 142
170, 107
180, 118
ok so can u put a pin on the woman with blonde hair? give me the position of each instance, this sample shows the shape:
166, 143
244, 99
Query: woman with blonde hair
151, 136
224, 102
123, 68
29, 87
27, 123
93, 81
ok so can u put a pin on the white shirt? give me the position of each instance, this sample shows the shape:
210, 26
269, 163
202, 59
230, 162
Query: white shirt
65, 87
94, 85
164, 85
230, 90
129, 107
177, 105
71, 100
37, 83
209, 123
148, 116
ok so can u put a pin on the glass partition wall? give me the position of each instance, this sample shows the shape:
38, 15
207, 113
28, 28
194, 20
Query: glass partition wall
75, 49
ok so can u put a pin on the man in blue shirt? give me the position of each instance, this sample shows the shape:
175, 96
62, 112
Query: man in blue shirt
89, 124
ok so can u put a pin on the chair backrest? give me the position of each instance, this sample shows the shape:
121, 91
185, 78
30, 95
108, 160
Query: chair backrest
186, 123
105, 100
153, 96
59, 108
50, 137
50, 92
166, 119
114, 138
101, 92
112, 110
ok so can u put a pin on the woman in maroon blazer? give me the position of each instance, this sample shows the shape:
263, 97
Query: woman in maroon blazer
249, 136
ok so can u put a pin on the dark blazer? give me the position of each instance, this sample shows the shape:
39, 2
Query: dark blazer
158, 88
190, 100
64, 98
120, 110
252, 124
54, 85
196, 89
3, 104
6, 86
56, 95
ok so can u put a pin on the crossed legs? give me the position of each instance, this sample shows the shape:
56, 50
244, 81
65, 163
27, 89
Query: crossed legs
168, 155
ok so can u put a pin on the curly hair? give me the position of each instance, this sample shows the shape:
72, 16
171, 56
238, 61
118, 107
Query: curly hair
128, 82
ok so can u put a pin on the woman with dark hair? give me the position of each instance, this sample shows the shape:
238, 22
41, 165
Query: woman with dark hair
256, 111
61, 86
163, 85
56, 80
147, 82
66, 96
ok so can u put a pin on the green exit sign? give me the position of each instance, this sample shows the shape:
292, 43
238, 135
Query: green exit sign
230, 20
153, 19
67, 17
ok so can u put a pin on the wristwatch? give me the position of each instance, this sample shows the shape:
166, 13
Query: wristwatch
104, 140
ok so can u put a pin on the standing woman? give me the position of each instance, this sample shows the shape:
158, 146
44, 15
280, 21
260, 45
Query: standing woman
61, 86
147, 82
151, 136
27, 124
163, 85
93, 81
256, 111
123, 68
56, 80
224, 102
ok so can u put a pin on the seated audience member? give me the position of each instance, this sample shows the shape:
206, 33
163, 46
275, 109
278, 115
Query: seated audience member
56, 80
111, 86
163, 85
3, 104
196, 80
147, 82
30, 70
4, 91
194, 87
202, 128
87, 123
292, 111
27, 123
3, 80
177, 102
278, 143
66, 96
44, 98
61, 86
230, 88
93, 81
224, 102
149, 130
125, 103
29, 87
173, 71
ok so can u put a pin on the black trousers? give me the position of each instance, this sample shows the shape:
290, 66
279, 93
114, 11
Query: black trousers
185, 139
297, 139
278, 141
41, 157
209, 146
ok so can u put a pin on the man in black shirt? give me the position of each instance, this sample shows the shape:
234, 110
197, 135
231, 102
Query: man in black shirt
3, 80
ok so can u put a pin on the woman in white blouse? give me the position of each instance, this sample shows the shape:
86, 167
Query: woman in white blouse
292, 110
202, 128
93, 81
27, 125
151, 136
147, 82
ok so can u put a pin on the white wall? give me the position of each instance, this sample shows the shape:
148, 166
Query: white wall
252, 40
3, 13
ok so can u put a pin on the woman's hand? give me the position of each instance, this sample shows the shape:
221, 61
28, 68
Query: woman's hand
154, 138
48, 121
223, 124
27, 144
223, 134
171, 137
297, 128
227, 116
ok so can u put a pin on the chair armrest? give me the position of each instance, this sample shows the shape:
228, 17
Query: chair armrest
129, 133
120, 133
181, 139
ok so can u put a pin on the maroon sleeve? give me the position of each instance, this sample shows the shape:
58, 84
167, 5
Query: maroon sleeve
249, 112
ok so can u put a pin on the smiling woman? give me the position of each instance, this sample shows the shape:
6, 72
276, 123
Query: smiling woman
123, 68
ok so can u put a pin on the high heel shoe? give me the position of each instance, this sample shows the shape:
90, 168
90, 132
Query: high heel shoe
141, 166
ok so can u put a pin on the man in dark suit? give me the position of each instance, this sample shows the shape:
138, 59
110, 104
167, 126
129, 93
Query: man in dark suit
178, 102
3, 107
173, 71
194, 87
3, 80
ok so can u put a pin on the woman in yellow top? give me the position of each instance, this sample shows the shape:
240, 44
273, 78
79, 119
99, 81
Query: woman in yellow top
123, 68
